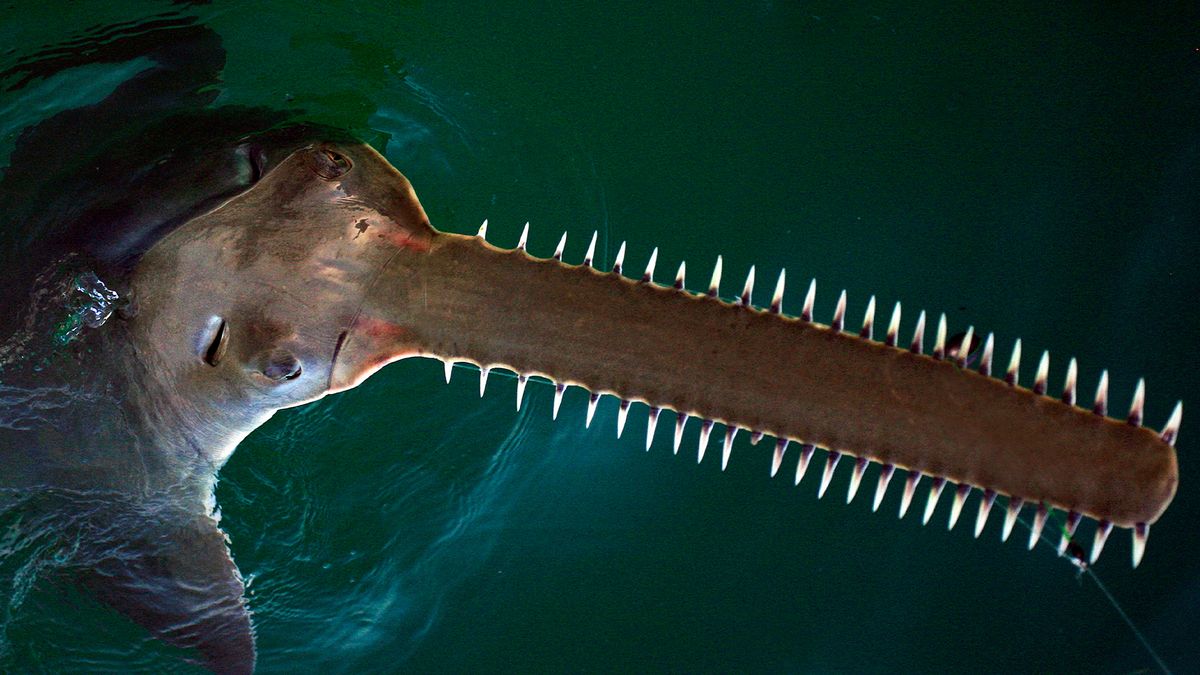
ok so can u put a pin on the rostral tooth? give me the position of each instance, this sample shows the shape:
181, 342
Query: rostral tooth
839, 314
714, 286
885, 477
648, 275
806, 453
1069, 393
810, 298
705, 432
620, 261
591, 251
831, 462
868, 326
893, 326
910, 489
860, 468
777, 297
918, 341
1043, 374
744, 299
523, 242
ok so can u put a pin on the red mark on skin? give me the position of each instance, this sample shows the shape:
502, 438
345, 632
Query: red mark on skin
371, 344
379, 329
402, 238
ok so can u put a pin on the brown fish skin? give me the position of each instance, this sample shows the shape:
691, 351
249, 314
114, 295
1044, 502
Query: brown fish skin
462, 299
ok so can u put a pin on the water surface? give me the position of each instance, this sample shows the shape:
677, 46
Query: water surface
1030, 171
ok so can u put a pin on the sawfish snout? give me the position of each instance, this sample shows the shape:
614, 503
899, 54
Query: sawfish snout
760, 371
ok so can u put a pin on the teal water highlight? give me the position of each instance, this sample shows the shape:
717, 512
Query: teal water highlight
1030, 171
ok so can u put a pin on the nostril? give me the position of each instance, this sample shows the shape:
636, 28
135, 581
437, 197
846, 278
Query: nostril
281, 365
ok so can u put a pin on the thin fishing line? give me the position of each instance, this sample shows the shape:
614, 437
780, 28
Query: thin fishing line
1084, 568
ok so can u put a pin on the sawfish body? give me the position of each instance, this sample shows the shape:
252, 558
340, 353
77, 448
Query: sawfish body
272, 268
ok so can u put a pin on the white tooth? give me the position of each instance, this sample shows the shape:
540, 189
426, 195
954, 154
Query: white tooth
1010, 516
1101, 405
1043, 374
727, 449
651, 424
964, 350
449, 366
679, 276
622, 415
1039, 522
483, 375
521, 382
748, 288
806, 453
680, 420
559, 388
593, 401
831, 462
939, 342
1103, 528
910, 488
1068, 532
885, 477
985, 507
935, 491
985, 362
705, 431
960, 498
868, 327
1171, 431
1014, 364
1140, 532
810, 299
714, 286
1139, 401
756, 437
483, 230
777, 297
562, 244
648, 276
893, 327
839, 313
524, 241
860, 467
1068, 396
777, 459
918, 341
620, 262
591, 252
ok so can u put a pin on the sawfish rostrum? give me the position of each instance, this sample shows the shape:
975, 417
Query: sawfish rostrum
321, 267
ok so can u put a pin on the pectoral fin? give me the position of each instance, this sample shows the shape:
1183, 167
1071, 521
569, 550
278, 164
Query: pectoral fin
179, 581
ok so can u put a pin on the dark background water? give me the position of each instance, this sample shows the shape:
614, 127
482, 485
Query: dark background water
1031, 171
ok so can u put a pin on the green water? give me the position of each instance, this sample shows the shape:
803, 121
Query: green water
1030, 171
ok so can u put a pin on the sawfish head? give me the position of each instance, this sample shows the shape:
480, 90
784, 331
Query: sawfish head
246, 309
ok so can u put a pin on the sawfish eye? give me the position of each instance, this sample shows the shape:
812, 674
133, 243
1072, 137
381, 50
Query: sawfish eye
218, 331
329, 164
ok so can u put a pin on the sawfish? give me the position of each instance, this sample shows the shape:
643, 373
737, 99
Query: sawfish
298, 262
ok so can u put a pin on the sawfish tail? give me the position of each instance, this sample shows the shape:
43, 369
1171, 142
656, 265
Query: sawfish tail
728, 362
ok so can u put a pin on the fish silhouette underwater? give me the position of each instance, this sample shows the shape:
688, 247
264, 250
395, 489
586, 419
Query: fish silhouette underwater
220, 264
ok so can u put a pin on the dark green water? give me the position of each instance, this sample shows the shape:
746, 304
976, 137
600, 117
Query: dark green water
1031, 171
